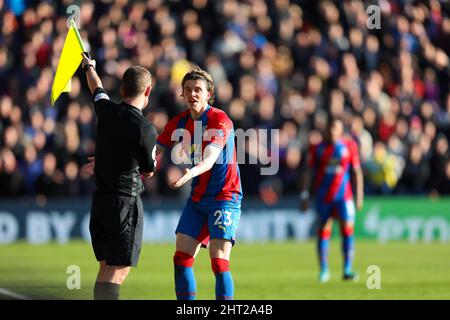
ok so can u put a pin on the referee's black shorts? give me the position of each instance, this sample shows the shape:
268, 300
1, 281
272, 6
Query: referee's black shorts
116, 227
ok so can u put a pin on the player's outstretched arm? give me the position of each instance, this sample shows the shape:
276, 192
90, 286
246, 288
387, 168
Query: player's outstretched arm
211, 154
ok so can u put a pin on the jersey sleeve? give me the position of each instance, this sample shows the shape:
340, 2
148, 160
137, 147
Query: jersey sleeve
165, 138
218, 130
101, 100
354, 154
147, 161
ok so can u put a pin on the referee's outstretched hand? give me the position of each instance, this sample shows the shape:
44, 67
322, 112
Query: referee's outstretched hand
87, 60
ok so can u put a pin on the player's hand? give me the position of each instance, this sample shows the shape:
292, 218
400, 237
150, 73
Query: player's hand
88, 169
86, 60
185, 178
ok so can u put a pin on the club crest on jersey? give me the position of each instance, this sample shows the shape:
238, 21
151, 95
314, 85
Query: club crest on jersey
220, 133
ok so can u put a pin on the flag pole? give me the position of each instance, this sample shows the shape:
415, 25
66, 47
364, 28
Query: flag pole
77, 33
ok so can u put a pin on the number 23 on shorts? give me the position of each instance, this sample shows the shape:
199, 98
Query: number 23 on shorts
222, 217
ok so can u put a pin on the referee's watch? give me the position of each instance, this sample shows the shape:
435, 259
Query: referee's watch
87, 66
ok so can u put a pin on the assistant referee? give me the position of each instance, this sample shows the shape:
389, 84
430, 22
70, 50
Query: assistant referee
125, 150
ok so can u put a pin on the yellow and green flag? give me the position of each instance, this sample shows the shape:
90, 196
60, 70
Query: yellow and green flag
68, 62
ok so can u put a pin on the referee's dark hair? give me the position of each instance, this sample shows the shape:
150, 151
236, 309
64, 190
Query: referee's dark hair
134, 81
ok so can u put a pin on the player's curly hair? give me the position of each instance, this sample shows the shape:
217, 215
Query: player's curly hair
200, 74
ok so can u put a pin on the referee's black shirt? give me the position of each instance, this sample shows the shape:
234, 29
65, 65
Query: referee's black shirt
125, 146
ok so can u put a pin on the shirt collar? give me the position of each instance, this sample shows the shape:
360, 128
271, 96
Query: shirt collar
133, 108
203, 115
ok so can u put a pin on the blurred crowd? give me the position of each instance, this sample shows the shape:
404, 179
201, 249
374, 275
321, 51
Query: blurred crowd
277, 64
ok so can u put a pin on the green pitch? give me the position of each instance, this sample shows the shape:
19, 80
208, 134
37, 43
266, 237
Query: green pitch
260, 271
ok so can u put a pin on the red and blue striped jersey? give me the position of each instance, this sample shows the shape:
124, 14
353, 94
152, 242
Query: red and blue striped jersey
222, 182
331, 164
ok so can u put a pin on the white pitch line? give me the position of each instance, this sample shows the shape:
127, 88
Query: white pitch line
13, 295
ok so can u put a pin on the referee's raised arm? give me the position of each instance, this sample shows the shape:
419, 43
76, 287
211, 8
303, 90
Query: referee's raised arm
88, 65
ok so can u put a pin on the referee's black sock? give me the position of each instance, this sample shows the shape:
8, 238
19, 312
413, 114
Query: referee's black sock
106, 291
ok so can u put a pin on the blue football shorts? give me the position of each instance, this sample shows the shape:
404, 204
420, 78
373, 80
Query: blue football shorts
218, 220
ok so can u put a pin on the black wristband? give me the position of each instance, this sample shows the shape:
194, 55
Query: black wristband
87, 66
